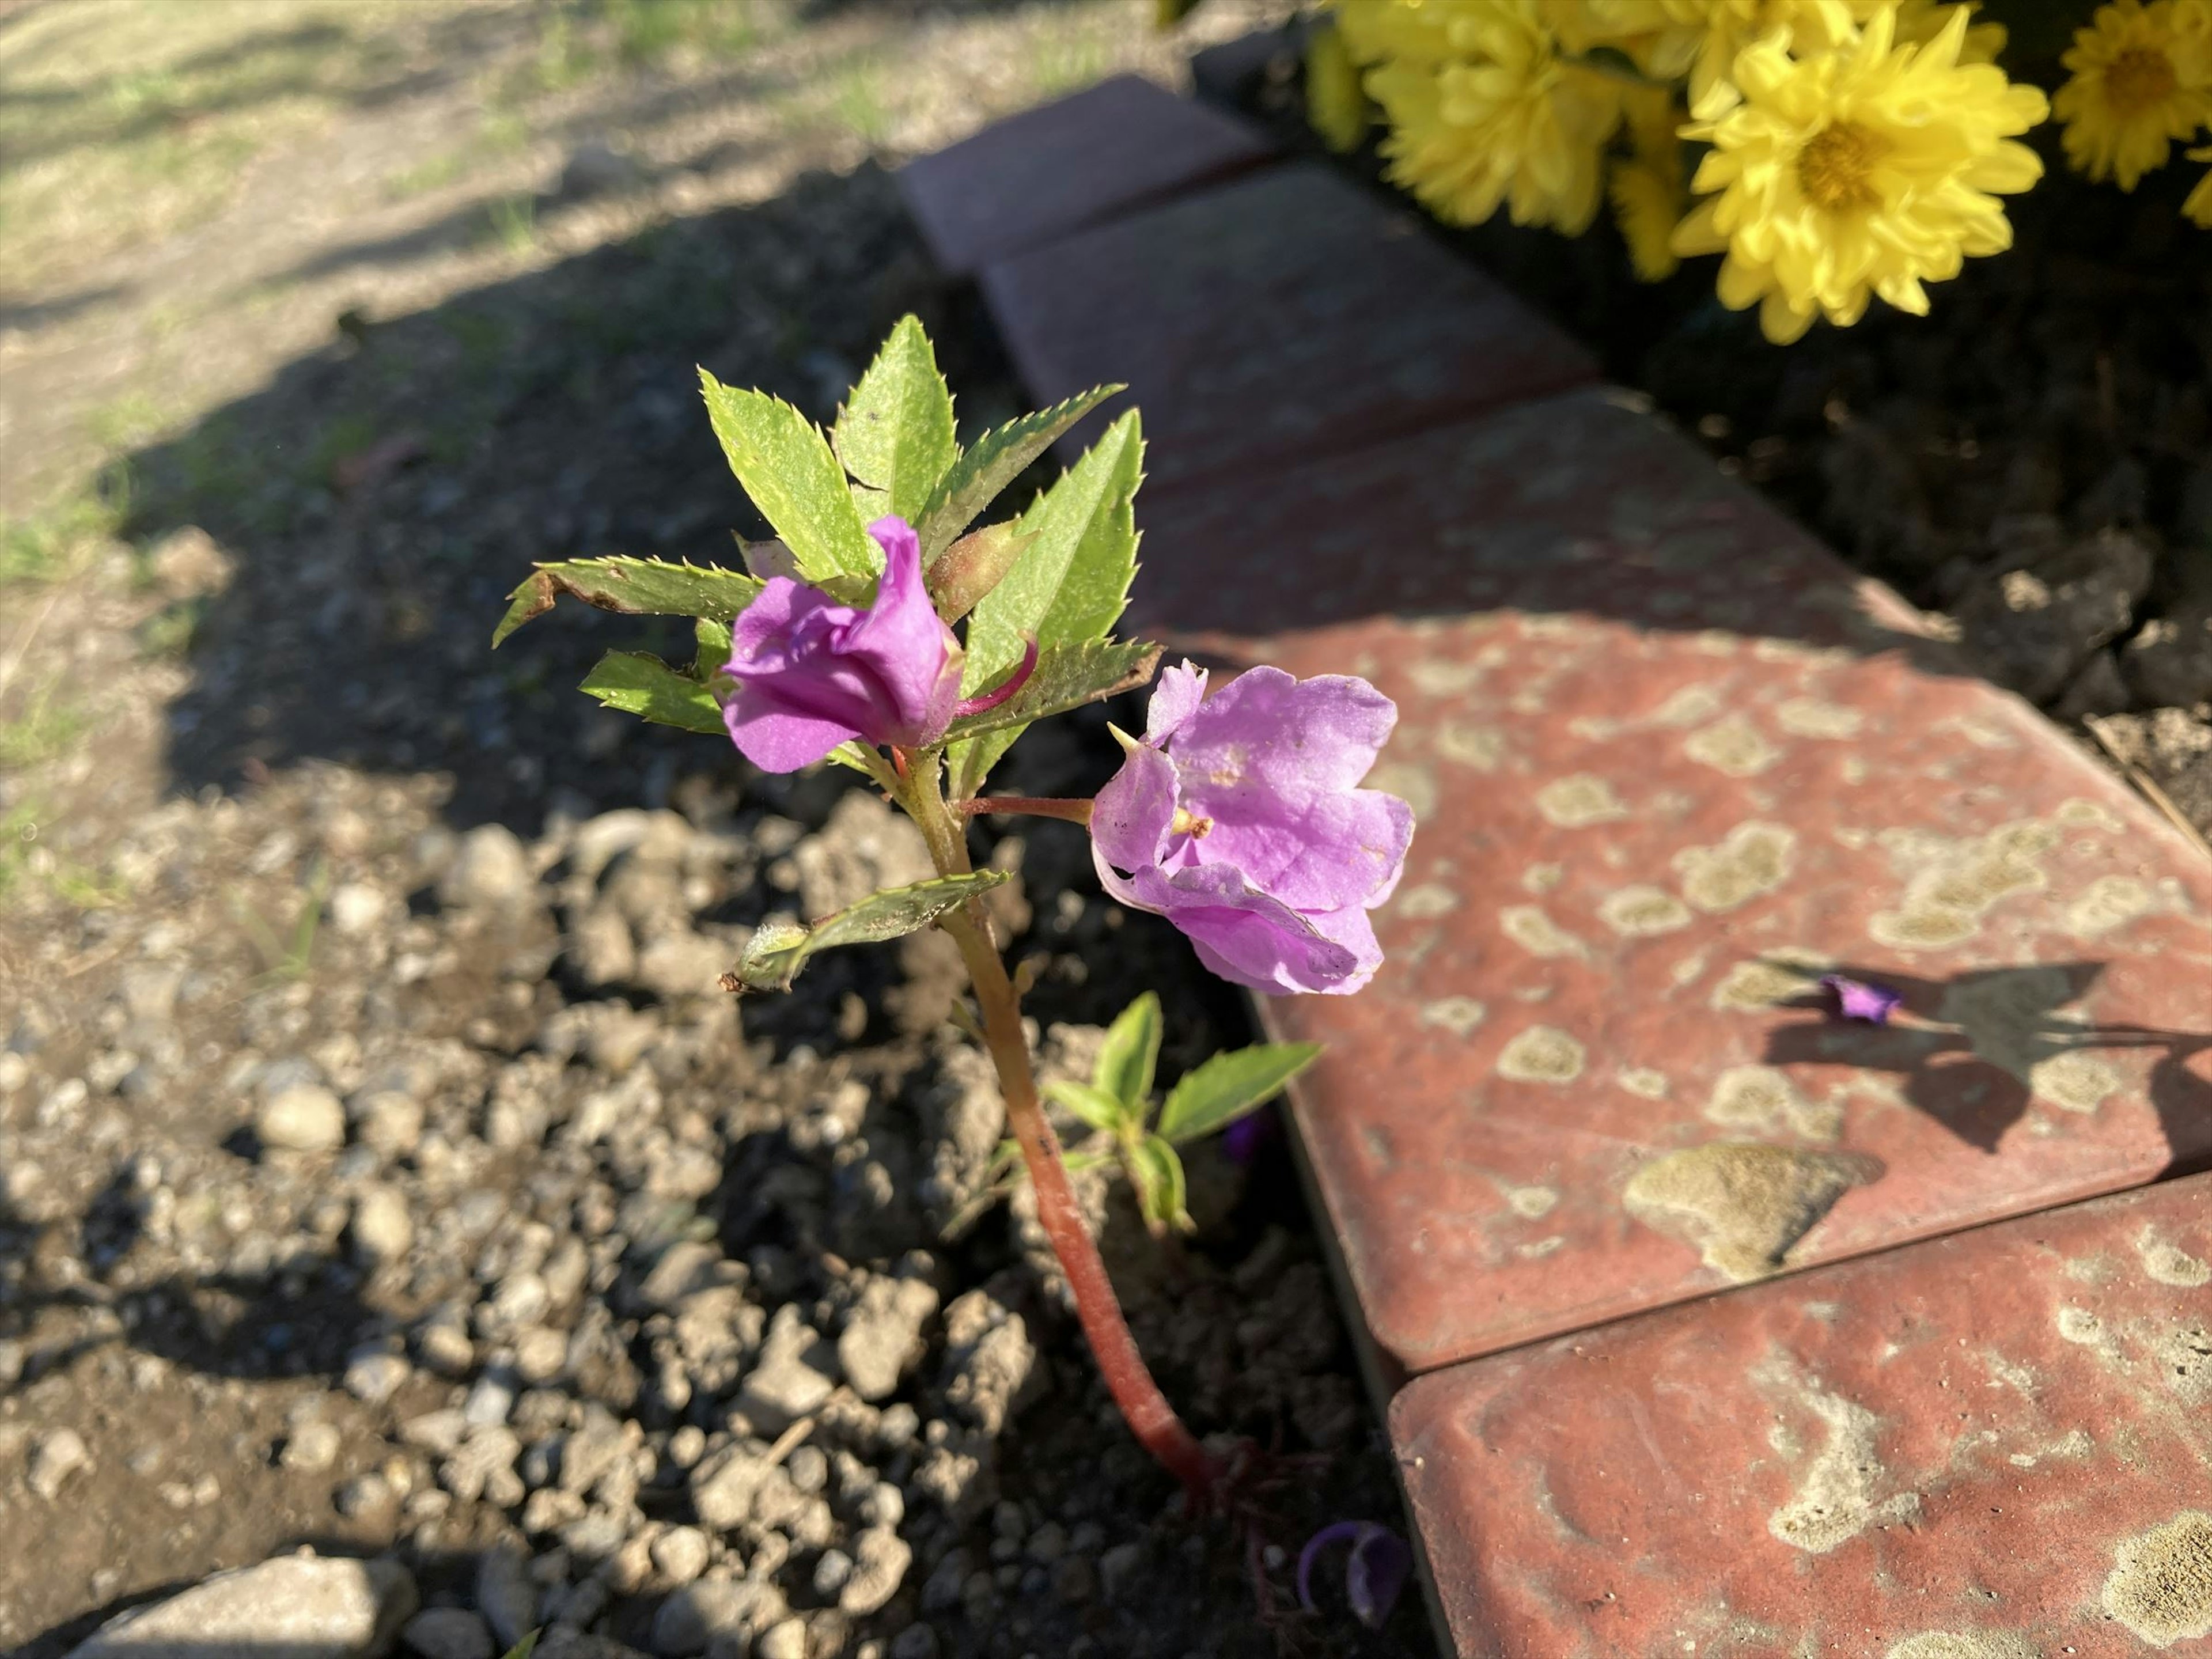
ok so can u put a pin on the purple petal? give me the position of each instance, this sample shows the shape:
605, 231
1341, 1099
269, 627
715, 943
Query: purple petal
1353, 930
1856, 999
1380, 1564
1266, 734
1314, 851
1245, 936
1130, 818
1176, 697
775, 739
1337, 1532
905, 643
1241, 1140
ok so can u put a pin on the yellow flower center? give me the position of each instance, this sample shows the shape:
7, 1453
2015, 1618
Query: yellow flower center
2140, 78
1832, 167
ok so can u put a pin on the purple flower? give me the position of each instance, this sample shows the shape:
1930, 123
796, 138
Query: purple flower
1242, 1140
813, 673
1374, 1575
1239, 820
1856, 999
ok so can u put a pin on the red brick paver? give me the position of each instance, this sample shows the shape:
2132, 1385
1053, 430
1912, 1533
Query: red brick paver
1993, 1446
1048, 171
1696, 764
1284, 316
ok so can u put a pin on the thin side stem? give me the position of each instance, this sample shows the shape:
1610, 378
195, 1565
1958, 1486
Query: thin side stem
1146, 1410
1074, 810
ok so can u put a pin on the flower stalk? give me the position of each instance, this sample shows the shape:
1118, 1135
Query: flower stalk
1146, 1409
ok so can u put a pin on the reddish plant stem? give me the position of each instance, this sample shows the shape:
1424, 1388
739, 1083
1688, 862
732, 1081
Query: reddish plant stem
1151, 1419
1076, 811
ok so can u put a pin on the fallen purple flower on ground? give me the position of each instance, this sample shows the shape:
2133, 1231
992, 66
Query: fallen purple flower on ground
1374, 1573
811, 673
1239, 819
1241, 1140
1856, 999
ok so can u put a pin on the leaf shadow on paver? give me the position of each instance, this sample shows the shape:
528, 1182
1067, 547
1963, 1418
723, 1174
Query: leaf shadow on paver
1975, 1048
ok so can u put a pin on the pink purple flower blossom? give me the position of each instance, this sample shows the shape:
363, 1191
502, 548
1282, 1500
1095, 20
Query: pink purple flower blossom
1856, 999
1375, 1574
1239, 819
813, 673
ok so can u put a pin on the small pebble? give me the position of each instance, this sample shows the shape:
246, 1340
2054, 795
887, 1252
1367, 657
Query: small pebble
312, 1447
303, 1118
787, 1640
680, 1554
59, 1455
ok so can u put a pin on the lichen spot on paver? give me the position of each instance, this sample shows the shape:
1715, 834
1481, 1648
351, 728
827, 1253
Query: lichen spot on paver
1741, 1204
1643, 1081
1756, 985
2184, 1362
1458, 1015
1963, 1645
2080, 1325
2107, 902
1951, 885
1425, 902
1752, 860
1414, 785
2161, 1586
1578, 801
1732, 744
1527, 926
1531, 1203
1480, 747
2074, 1082
1835, 1500
1762, 1098
1543, 1054
1693, 705
2169, 1264
1810, 717
1641, 911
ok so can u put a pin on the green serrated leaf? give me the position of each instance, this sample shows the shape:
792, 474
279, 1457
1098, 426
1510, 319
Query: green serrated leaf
1096, 589
788, 469
894, 432
1096, 1108
1067, 677
1163, 1195
776, 952
635, 588
1227, 1086
1082, 524
993, 461
712, 654
523, 1649
1130, 1054
646, 686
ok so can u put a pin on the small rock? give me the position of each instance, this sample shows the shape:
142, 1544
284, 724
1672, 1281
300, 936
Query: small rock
447, 1633
357, 909
389, 1122
791, 1377
491, 1401
942, 1590
1074, 1580
374, 1376
915, 1641
187, 564
305, 1117
312, 1447
2098, 689
369, 1499
693, 1617
382, 1229
2168, 664
680, 1554
438, 1431
880, 1560
1119, 1568
831, 1573
505, 1595
723, 1487
785, 1641
883, 1334
59, 1455
2035, 626
490, 871
306, 1606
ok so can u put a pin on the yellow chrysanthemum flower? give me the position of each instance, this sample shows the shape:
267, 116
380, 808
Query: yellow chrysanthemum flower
1719, 29
2142, 77
1868, 168
1335, 107
1484, 111
2197, 209
1647, 187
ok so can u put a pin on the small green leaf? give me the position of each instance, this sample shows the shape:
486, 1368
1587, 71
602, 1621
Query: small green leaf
1163, 1196
776, 952
973, 566
968, 761
1096, 1108
993, 461
1096, 589
713, 652
1067, 677
1130, 1054
635, 588
646, 686
787, 468
1084, 529
523, 1649
894, 432
1229, 1085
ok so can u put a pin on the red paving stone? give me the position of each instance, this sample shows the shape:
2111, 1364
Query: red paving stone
1286, 315
1048, 171
1671, 760
1994, 1446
